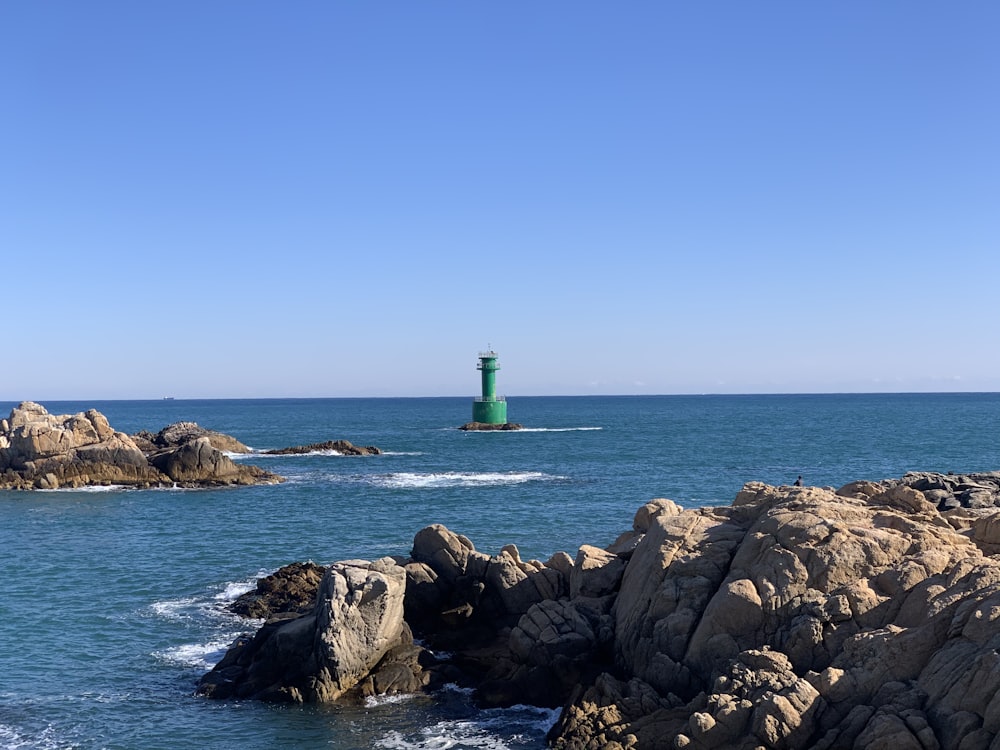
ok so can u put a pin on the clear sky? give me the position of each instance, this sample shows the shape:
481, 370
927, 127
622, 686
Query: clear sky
241, 198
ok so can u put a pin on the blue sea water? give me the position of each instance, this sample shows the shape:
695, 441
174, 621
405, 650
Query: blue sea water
112, 601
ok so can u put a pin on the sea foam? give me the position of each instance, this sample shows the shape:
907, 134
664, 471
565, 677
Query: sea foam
559, 429
12, 738
196, 655
438, 480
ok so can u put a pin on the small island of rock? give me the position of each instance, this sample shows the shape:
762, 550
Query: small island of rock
341, 447
489, 427
39, 450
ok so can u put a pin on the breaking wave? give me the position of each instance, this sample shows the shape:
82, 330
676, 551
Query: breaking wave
438, 480
494, 729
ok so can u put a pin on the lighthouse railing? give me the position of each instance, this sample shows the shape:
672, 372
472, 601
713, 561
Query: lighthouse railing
482, 400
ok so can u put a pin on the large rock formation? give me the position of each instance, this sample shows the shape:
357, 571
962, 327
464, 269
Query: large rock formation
801, 618
39, 450
317, 657
797, 617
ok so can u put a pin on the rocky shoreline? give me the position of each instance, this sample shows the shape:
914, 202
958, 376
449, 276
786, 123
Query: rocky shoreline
796, 617
43, 451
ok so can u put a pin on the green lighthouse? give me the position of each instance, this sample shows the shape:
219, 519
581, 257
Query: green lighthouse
489, 409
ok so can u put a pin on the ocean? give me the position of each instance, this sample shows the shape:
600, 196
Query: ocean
112, 602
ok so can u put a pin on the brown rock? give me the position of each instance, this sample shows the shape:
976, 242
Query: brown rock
43, 451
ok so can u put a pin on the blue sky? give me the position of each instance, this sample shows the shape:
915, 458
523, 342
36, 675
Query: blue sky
250, 199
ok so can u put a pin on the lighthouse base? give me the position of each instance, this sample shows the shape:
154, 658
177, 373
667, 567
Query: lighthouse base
489, 412
483, 427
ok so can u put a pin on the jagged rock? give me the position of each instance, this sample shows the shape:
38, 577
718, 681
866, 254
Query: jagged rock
291, 588
596, 572
795, 618
985, 532
197, 463
43, 451
652, 510
343, 447
445, 552
318, 657
801, 618
179, 433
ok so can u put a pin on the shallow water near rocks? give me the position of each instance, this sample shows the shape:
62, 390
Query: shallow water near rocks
112, 602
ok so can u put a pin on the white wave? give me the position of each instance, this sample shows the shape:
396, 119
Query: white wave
12, 738
92, 488
175, 609
372, 701
232, 590
558, 429
491, 729
414, 480
210, 606
454, 687
442, 736
327, 452
403, 453
196, 655
442, 655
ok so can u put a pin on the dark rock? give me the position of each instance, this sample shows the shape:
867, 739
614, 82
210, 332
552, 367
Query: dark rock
291, 588
343, 447
486, 427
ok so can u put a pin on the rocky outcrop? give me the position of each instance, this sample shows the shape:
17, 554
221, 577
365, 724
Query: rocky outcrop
797, 617
180, 433
488, 427
39, 450
343, 447
800, 618
953, 491
356, 620
289, 589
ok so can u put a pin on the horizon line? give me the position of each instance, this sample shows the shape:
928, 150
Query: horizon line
507, 397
